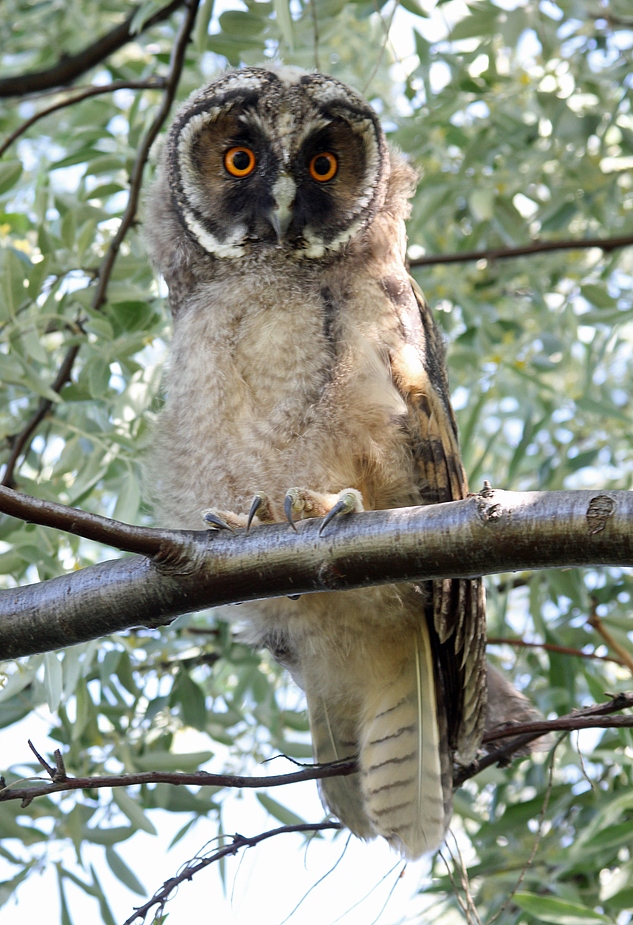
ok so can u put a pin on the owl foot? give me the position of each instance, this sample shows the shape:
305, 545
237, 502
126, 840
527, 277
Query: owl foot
303, 502
228, 520
223, 520
350, 501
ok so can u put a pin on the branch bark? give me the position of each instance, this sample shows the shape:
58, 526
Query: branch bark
494, 531
520, 734
606, 245
70, 67
152, 83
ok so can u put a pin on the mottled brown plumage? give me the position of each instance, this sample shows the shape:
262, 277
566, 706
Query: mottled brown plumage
306, 358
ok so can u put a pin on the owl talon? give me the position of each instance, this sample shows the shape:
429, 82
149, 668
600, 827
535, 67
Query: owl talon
215, 522
260, 505
350, 502
289, 507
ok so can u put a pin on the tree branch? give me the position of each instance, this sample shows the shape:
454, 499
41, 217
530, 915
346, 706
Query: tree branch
153, 83
494, 531
552, 647
238, 841
176, 63
60, 782
606, 245
162, 895
521, 734
70, 67
22, 440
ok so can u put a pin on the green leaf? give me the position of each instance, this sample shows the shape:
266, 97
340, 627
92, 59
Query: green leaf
171, 761
558, 911
191, 700
130, 808
10, 173
52, 680
282, 813
120, 870
284, 21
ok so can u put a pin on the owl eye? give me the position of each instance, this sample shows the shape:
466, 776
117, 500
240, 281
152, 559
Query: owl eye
323, 167
240, 161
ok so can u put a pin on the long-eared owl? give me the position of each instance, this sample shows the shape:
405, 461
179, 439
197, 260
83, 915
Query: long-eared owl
307, 379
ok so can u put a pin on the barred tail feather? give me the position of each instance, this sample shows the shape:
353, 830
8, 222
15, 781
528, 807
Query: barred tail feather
334, 728
405, 782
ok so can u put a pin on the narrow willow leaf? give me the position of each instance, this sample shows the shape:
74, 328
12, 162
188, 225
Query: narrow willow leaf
120, 870
284, 21
130, 808
282, 813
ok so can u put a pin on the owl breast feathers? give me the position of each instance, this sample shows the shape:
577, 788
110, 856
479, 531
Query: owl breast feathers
307, 377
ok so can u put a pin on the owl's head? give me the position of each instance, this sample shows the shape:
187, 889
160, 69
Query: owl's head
263, 162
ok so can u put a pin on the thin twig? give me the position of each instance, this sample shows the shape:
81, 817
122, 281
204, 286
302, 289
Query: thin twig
537, 840
153, 83
551, 647
70, 67
315, 33
61, 783
451, 876
594, 717
20, 442
176, 63
594, 621
606, 245
161, 896
524, 733
386, 28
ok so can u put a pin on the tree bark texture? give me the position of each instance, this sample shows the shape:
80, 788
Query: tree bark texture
493, 531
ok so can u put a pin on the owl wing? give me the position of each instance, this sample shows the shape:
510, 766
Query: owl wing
456, 608
431, 705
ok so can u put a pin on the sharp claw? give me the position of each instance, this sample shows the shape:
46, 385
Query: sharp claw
255, 506
216, 521
288, 511
340, 507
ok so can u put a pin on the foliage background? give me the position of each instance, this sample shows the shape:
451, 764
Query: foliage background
519, 118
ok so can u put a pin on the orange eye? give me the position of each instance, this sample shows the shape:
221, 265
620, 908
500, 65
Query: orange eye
240, 161
323, 167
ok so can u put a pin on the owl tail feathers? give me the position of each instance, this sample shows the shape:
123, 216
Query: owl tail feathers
404, 759
334, 728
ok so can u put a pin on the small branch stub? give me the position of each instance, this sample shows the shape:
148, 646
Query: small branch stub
600, 509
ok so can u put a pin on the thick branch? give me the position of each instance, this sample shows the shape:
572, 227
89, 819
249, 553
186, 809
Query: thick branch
494, 531
606, 245
70, 67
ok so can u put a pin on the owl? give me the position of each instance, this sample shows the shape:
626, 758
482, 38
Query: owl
307, 379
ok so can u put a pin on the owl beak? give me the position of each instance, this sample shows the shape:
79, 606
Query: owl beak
280, 216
